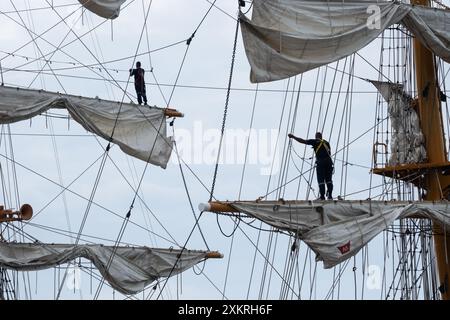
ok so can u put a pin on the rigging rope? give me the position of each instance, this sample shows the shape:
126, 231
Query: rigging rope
267, 188
82, 197
225, 111
188, 194
77, 38
128, 215
35, 43
79, 65
188, 42
125, 222
108, 147
241, 184
221, 10
38, 36
44, 8
1, 74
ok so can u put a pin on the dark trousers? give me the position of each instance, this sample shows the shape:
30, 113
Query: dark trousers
324, 170
140, 91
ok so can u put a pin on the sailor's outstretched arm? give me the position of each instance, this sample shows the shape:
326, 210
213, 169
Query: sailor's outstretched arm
291, 136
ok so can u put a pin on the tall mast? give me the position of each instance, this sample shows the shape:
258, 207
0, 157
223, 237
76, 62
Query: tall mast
429, 111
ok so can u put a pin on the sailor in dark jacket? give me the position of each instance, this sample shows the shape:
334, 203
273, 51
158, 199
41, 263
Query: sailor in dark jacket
139, 82
324, 163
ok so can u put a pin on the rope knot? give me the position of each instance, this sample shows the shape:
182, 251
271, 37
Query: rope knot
189, 40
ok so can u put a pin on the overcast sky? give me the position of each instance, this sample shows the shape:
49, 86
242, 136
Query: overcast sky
201, 96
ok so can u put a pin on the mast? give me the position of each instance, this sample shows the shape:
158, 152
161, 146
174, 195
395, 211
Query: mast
429, 111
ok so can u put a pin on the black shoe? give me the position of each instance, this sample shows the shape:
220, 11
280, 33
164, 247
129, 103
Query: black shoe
330, 198
145, 104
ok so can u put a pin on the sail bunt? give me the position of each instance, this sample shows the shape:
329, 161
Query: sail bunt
288, 37
408, 142
138, 131
129, 272
335, 230
108, 9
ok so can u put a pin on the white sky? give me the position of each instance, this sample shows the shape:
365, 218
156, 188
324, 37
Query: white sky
207, 64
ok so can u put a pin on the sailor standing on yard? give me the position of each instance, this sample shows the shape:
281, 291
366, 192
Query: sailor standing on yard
324, 163
139, 82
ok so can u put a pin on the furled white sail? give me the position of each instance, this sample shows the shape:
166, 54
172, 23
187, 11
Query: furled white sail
130, 271
408, 142
108, 9
336, 231
139, 131
288, 37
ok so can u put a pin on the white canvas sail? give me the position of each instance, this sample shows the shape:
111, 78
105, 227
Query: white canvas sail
431, 26
138, 131
130, 271
108, 9
336, 231
288, 37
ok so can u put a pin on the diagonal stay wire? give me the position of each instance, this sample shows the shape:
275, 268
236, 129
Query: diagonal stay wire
220, 9
36, 44
72, 234
288, 285
188, 195
142, 200
82, 197
202, 272
179, 256
37, 36
65, 188
86, 213
204, 17
45, 8
114, 251
52, 54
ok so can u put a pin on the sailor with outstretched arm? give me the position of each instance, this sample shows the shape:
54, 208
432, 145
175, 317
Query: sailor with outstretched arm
324, 163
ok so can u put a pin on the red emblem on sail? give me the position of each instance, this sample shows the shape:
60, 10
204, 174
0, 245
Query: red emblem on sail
345, 248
